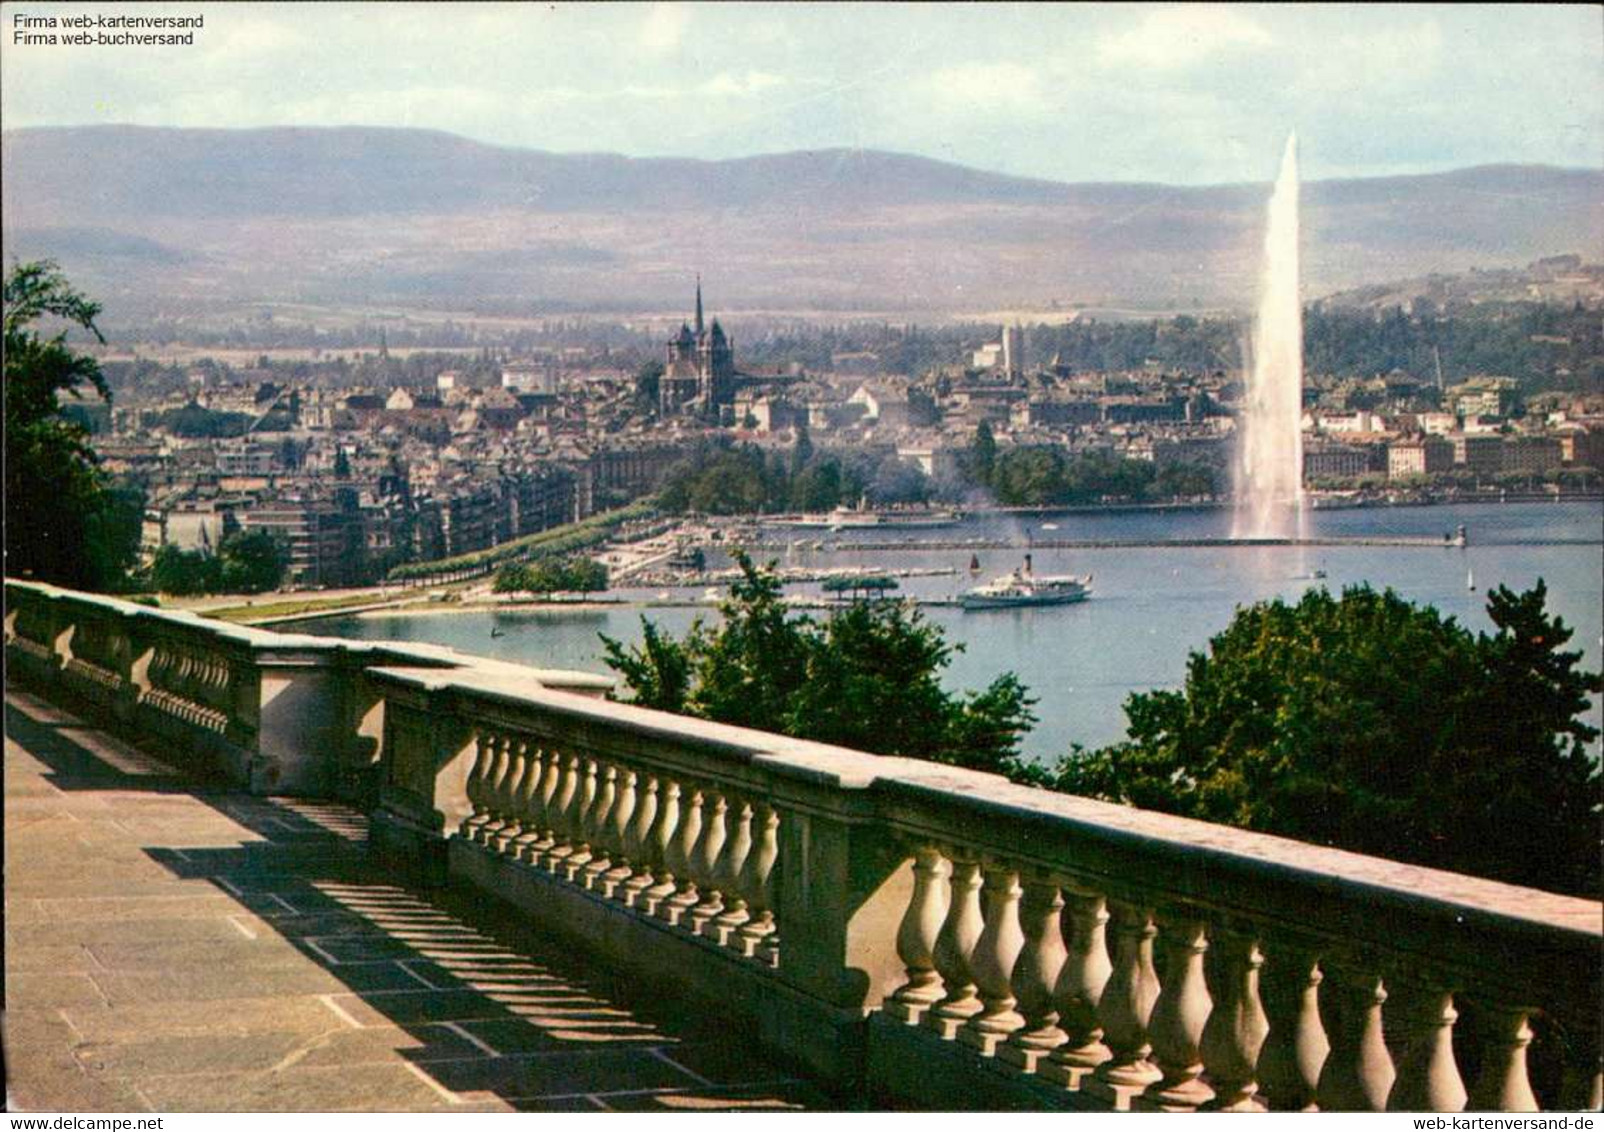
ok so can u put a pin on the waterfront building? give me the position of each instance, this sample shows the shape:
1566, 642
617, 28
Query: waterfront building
1531, 454
1481, 453
1422, 456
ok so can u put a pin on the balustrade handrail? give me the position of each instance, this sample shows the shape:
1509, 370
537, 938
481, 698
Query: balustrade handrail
1182, 859
248, 638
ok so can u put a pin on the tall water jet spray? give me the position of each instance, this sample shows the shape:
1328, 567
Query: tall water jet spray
1269, 450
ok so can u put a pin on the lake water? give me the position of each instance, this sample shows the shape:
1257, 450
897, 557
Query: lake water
1150, 606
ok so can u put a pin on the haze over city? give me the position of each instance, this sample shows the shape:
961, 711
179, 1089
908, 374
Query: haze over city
1187, 94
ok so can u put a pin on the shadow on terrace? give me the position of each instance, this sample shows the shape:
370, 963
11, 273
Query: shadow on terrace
305, 977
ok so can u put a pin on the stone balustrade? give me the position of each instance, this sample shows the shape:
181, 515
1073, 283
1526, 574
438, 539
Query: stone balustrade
277, 712
925, 933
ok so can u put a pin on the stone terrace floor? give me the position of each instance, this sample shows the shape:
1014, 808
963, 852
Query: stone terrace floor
176, 948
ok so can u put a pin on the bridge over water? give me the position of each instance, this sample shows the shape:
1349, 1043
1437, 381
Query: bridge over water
250, 870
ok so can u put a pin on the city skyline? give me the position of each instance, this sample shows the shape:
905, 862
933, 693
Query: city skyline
1185, 95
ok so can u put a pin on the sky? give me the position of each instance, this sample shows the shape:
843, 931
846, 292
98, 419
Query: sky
1190, 94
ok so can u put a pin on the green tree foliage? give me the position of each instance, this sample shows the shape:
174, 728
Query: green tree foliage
980, 462
1376, 725
181, 572
62, 523
551, 575
648, 380
742, 480
196, 421
1044, 475
868, 678
252, 562
246, 562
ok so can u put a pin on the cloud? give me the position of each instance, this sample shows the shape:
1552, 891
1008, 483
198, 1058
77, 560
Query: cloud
663, 28
752, 82
987, 86
1178, 37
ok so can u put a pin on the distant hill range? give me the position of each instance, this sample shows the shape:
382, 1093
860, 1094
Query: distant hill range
177, 221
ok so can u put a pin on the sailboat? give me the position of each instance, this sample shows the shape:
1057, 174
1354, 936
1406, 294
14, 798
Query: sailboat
974, 563
1470, 579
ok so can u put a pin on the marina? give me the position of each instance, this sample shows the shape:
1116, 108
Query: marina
1164, 584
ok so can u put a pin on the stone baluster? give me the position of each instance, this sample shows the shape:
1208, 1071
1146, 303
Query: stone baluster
992, 963
573, 864
1036, 974
478, 785
1359, 1073
757, 936
1127, 1007
499, 797
1179, 1016
1079, 992
518, 782
565, 815
1297, 1047
1236, 1029
621, 824
728, 875
916, 938
687, 842
664, 840
600, 826
639, 844
1421, 1023
531, 807
955, 943
548, 809
715, 831
1503, 1084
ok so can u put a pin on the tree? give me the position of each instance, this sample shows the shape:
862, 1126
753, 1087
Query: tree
1379, 726
551, 575
866, 678
250, 562
180, 572
62, 524
981, 458
648, 380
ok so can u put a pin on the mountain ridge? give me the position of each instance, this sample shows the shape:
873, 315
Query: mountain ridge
357, 213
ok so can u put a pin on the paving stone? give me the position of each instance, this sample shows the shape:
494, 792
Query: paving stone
196, 983
416, 1044
45, 989
790, 1096
140, 1057
384, 1008
44, 931
243, 1016
234, 952
560, 1074
346, 1088
724, 1063
56, 958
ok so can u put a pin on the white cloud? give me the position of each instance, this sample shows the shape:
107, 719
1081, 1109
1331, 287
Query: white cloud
752, 82
1176, 37
663, 28
987, 86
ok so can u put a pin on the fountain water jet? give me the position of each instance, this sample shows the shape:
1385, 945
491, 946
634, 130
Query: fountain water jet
1269, 449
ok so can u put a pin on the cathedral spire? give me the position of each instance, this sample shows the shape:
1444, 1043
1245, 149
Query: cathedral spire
698, 304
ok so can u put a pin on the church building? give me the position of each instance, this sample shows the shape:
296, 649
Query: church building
699, 377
